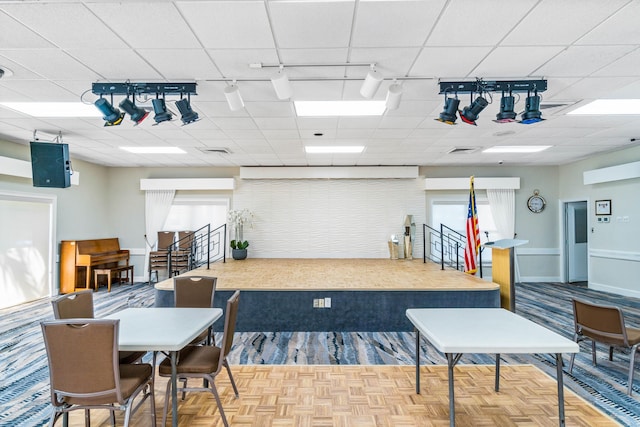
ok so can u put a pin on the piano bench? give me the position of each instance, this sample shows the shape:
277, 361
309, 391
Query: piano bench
109, 272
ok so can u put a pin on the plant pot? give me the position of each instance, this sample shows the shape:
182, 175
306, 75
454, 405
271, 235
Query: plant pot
239, 253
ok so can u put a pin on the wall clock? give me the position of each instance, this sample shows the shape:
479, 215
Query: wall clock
536, 203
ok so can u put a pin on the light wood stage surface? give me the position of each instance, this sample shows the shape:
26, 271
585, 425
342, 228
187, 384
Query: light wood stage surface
363, 396
335, 274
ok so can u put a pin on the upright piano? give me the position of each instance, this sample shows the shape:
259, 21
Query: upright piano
79, 257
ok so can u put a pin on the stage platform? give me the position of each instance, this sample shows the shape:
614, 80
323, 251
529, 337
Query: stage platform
366, 294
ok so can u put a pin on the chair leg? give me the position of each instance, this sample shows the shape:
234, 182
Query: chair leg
65, 419
87, 418
610, 353
214, 390
632, 358
593, 352
233, 383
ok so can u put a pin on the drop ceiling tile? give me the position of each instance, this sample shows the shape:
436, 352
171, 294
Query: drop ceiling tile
275, 122
390, 62
234, 64
228, 123
116, 64
407, 122
449, 63
415, 18
459, 23
49, 62
206, 134
597, 87
181, 64
502, 62
409, 108
354, 133
161, 24
311, 25
582, 60
53, 21
280, 134
626, 66
17, 36
237, 134
317, 91
358, 122
620, 28
317, 123
311, 137
216, 110
229, 24
270, 109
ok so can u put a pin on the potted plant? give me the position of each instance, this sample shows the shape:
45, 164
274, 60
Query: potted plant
239, 249
238, 219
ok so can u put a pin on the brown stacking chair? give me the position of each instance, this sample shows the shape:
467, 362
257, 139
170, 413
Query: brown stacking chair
184, 256
79, 305
85, 372
205, 362
195, 292
604, 324
159, 259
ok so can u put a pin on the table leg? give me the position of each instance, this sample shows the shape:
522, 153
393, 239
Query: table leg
560, 389
174, 389
417, 361
498, 372
452, 406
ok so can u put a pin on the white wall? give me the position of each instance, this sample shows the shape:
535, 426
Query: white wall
341, 218
614, 247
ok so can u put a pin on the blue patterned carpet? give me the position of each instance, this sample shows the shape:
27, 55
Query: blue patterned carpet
24, 391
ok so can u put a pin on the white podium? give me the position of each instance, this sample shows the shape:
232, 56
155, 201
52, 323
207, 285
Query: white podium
503, 269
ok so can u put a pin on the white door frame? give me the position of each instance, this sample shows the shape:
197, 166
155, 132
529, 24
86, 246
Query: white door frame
564, 272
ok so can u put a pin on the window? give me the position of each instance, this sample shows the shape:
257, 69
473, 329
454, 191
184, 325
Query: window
195, 213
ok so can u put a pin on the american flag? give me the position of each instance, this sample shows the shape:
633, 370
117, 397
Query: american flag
473, 235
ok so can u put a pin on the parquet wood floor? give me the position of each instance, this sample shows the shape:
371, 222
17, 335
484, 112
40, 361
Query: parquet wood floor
318, 395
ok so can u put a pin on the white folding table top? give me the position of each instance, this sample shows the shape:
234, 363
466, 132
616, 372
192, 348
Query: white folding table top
486, 330
162, 328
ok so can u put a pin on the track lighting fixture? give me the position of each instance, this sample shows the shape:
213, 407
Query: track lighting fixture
188, 115
507, 113
160, 110
137, 114
111, 115
394, 95
281, 84
234, 99
470, 113
371, 83
136, 91
481, 87
532, 112
448, 115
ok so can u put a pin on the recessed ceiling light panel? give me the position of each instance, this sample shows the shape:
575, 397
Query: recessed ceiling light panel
517, 149
609, 107
53, 109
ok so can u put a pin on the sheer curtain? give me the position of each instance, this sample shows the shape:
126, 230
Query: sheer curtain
156, 209
502, 203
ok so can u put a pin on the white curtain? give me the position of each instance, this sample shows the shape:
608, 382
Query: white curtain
156, 209
502, 203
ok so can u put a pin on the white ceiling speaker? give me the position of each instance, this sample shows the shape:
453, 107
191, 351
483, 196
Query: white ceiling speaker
281, 85
394, 95
371, 84
234, 99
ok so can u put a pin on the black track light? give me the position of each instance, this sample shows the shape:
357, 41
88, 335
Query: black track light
137, 114
470, 113
112, 116
188, 115
507, 113
160, 110
532, 112
448, 115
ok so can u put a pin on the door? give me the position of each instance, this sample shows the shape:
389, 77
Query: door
576, 241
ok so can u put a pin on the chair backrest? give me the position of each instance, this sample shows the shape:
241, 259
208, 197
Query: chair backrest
194, 291
599, 322
74, 305
185, 240
83, 361
165, 239
230, 318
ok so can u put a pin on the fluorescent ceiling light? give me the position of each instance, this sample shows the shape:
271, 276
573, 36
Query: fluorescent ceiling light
335, 149
154, 150
339, 108
609, 107
54, 109
516, 149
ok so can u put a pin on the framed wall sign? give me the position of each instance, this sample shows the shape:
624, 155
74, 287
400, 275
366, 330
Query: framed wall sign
603, 207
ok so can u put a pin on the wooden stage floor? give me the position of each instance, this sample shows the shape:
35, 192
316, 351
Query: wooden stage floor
335, 274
